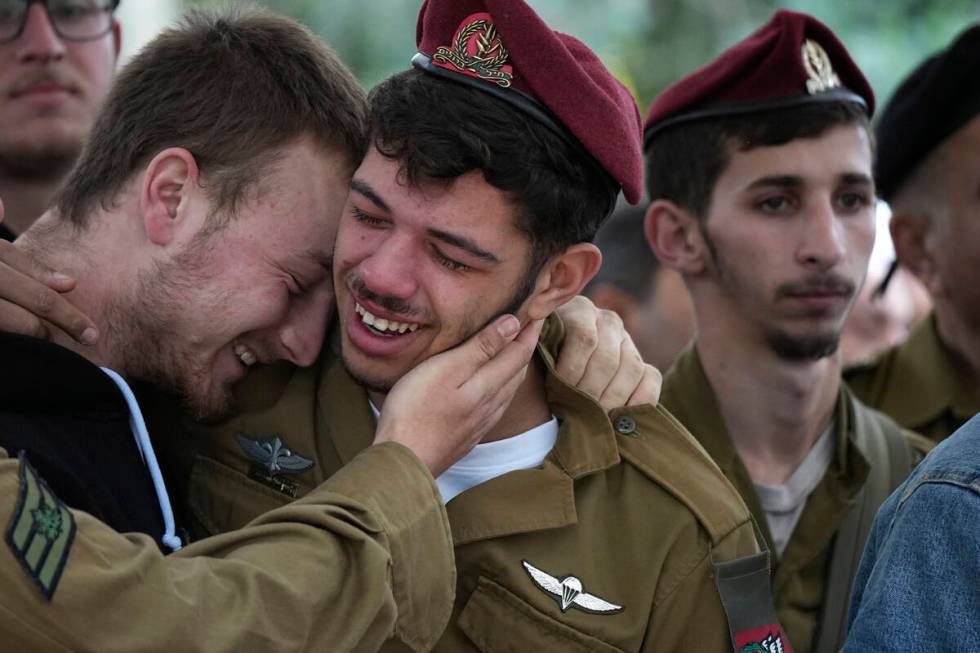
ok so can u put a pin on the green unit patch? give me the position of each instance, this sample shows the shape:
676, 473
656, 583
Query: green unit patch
41, 531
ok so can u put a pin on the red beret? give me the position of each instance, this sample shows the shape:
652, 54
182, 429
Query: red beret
791, 60
505, 48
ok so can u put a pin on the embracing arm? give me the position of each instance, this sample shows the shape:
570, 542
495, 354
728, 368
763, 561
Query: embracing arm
365, 556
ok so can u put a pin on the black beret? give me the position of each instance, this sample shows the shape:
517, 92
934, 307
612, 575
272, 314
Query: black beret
932, 103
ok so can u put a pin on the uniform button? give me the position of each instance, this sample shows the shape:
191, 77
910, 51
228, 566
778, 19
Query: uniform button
625, 425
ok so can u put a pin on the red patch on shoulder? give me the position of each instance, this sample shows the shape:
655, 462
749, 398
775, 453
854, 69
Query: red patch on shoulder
766, 639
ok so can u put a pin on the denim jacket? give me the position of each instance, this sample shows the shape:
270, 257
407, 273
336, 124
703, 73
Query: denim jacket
918, 585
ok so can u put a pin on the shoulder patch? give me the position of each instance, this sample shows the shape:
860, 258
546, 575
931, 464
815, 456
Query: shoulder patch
41, 531
768, 639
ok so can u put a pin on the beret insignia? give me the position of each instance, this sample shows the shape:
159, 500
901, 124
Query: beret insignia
477, 51
820, 75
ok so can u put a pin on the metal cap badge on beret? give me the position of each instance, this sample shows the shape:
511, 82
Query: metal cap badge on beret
504, 48
932, 103
793, 59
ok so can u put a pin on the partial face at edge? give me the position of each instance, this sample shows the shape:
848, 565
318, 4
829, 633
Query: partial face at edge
791, 230
50, 92
418, 270
953, 241
257, 291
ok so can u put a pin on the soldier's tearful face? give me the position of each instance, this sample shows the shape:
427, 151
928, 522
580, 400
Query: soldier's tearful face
417, 270
256, 290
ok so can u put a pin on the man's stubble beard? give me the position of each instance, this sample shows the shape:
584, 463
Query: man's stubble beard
785, 345
144, 329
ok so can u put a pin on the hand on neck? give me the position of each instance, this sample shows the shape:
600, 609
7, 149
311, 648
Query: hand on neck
62, 248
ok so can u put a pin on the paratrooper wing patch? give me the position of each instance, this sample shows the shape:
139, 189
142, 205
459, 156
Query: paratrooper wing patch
41, 531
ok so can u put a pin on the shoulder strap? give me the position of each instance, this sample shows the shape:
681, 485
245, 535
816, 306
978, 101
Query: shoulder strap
670, 456
890, 463
746, 596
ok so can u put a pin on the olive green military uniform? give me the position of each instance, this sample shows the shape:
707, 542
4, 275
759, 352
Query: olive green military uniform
800, 576
627, 503
919, 384
364, 556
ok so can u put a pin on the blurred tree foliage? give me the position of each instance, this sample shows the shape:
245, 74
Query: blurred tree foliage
650, 43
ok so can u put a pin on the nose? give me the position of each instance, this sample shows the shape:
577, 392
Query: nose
302, 332
822, 243
39, 42
389, 271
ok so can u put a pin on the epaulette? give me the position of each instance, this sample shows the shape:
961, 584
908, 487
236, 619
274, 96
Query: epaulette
669, 455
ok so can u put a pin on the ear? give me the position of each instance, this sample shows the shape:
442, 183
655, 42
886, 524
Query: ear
674, 235
562, 278
910, 231
171, 176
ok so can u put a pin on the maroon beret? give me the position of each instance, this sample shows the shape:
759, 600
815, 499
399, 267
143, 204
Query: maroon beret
793, 59
505, 48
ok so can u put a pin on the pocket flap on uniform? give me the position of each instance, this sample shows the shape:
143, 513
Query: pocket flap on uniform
224, 499
498, 621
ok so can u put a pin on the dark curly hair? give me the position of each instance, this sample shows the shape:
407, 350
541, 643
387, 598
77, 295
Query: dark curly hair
440, 129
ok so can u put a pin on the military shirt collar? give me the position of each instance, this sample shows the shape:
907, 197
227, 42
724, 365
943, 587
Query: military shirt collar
932, 369
587, 442
521, 501
688, 394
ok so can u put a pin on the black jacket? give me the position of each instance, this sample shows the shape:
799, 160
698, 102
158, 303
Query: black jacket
72, 422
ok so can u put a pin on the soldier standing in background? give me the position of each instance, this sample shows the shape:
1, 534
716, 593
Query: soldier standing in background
759, 167
56, 63
929, 171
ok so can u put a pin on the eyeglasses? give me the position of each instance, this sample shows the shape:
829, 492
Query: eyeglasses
72, 20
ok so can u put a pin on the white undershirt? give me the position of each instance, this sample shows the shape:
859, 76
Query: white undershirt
783, 504
492, 459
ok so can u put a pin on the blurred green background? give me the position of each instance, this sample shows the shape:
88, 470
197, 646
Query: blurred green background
650, 43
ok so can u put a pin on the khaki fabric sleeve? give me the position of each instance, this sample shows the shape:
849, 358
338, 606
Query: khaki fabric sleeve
692, 617
365, 556
688, 614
